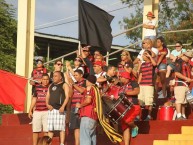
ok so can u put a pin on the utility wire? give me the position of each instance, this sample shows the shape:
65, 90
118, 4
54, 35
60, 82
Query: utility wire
76, 20
56, 25
72, 16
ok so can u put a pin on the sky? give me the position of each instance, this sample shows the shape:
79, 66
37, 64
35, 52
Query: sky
64, 11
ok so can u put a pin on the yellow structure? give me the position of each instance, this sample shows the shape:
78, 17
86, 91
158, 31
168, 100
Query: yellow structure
185, 138
25, 42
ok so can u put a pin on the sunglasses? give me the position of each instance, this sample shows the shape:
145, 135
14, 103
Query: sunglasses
39, 62
59, 64
177, 46
77, 59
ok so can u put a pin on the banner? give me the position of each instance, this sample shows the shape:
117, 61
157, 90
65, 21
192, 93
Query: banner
12, 90
94, 26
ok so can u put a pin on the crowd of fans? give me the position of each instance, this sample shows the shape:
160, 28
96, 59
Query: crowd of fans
143, 80
72, 99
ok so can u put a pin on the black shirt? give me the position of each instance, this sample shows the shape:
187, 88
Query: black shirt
57, 95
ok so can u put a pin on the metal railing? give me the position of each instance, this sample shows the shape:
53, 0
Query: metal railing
63, 56
136, 43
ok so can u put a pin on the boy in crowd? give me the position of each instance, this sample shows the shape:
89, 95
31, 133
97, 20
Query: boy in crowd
145, 81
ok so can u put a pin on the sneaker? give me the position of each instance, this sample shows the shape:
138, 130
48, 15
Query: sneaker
184, 118
154, 105
134, 131
147, 119
160, 92
137, 119
161, 96
180, 118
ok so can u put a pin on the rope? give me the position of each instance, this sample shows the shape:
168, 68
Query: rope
108, 129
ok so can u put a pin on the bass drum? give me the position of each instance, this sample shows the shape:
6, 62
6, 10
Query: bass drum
166, 113
117, 109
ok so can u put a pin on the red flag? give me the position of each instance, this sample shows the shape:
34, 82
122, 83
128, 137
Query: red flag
12, 90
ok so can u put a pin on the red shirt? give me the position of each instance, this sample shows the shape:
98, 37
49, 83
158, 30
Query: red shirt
90, 109
129, 87
128, 64
40, 93
147, 74
77, 96
164, 60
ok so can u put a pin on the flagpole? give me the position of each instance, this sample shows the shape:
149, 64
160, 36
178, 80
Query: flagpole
79, 22
107, 59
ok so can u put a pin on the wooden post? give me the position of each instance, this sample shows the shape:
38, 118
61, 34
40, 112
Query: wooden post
48, 54
25, 43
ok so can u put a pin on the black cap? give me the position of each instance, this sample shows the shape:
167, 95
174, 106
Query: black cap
92, 79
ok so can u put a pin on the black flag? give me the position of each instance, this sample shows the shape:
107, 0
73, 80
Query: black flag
94, 26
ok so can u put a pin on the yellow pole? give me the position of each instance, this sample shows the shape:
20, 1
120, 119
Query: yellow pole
25, 43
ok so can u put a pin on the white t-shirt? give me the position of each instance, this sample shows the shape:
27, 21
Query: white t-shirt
177, 53
168, 55
80, 68
150, 32
142, 51
100, 74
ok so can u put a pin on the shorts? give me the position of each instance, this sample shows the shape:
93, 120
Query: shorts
172, 65
56, 120
180, 94
146, 95
39, 122
130, 116
162, 66
153, 38
74, 120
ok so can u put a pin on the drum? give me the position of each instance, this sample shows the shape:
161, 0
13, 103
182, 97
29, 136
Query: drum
112, 92
166, 113
118, 109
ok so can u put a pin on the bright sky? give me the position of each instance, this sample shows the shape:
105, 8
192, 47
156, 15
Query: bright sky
67, 10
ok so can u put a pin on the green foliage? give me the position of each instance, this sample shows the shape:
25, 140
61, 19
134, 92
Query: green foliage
5, 109
8, 31
173, 15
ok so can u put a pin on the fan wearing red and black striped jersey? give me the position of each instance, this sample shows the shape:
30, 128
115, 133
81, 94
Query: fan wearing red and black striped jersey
145, 81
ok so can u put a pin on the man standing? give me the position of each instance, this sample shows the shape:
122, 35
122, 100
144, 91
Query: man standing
99, 73
40, 113
58, 66
145, 80
182, 73
88, 114
56, 101
79, 88
37, 73
131, 90
150, 27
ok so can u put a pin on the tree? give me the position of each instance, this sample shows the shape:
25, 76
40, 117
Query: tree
173, 15
8, 31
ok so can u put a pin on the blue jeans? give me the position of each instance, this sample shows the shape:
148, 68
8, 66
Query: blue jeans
153, 38
162, 66
87, 131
